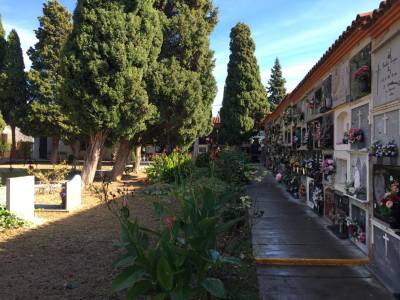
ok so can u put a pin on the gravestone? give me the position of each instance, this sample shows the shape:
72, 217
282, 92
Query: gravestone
386, 127
386, 69
73, 193
340, 84
360, 119
386, 258
21, 196
3, 196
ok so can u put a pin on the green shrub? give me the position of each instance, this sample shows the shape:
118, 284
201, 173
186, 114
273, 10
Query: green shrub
4, 147
181, 262
170, 168
25, 149
203, 160
9, 220
231, 166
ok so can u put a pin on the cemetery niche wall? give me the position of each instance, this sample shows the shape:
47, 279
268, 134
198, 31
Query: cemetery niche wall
340, 142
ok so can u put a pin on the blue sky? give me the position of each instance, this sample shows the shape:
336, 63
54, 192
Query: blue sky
298, 32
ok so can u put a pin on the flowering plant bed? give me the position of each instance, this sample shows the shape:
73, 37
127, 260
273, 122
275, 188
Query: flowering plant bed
355, 136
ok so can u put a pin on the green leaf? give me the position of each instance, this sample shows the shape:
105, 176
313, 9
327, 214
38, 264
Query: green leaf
164, 274
140, 288
215, 287
227, 225
207, 223
230, 260
183, 294
160, 296
125, 260
126, 279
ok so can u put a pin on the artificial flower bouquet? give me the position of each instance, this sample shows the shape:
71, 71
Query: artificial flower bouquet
355, 136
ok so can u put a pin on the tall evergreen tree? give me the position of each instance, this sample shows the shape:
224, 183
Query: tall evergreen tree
45, 116
13, 94
183, 87
139, 112
245, 100
276, 85
3, 45
3, 49
103, 65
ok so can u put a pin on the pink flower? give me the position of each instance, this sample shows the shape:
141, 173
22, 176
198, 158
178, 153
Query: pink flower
387, 195
278, 177
389, 204
125, 202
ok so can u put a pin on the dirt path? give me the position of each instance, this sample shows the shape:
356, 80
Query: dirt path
71, 256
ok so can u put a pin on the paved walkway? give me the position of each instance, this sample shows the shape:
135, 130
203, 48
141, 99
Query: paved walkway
289, 229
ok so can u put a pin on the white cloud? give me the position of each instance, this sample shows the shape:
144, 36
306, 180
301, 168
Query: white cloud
27, 37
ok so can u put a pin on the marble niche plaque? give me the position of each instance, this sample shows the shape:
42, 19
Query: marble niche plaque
386, 68
340, 84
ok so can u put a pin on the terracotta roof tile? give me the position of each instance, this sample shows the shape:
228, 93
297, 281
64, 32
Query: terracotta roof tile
363, 21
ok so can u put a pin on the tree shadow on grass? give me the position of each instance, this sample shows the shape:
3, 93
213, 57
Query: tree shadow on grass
70, 258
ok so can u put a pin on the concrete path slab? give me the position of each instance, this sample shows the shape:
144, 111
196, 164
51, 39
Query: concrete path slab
289, 229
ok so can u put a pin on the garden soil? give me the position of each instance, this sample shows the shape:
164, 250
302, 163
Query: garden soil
70, 255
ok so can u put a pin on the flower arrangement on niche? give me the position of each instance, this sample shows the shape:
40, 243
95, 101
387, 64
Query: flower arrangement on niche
391, 199
361, 73
379, 149
355, 231
355, 136
328, 166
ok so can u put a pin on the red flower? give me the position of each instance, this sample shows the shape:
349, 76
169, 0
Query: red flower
214, 153
170, 221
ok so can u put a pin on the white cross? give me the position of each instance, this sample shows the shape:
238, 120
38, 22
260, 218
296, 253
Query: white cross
386, 238
385, 119
359, 118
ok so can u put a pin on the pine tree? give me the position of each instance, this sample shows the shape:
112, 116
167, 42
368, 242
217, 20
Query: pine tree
276, 85
13, 95
183, 87
45, 116
245, 101
104, 65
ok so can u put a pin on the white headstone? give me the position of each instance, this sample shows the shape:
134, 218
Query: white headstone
73, 190
21, 196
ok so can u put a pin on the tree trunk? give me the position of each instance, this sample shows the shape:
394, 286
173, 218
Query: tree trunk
55, 144
121, 159
13, 153
138, 157
100, 162
96, 142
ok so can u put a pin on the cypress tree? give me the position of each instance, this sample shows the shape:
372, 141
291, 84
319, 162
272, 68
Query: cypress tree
138, 113
45, 116
276, 85
13, 86
245, 101
183, 87
3, 49
103, 64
